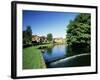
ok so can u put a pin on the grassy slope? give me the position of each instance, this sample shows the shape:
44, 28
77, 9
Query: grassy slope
32, 58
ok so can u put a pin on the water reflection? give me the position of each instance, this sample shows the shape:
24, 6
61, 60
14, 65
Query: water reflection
49, 50
77, 50
59, 52
55, 53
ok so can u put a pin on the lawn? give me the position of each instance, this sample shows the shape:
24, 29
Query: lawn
32, 58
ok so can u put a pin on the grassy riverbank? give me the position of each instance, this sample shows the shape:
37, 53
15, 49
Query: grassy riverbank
32, 58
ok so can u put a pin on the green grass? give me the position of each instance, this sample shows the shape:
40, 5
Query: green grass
32, 58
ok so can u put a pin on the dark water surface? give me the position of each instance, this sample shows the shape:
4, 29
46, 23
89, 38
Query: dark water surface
59, 52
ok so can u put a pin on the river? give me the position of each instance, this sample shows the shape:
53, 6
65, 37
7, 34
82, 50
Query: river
58, 56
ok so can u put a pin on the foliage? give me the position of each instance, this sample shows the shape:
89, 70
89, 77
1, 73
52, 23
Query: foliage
49, 37
78, 30
27, 36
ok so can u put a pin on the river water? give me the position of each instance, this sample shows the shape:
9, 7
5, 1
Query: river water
58, 52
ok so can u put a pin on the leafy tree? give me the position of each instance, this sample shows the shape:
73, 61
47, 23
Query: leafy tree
24, 37
49, 37
27, 36
78, 30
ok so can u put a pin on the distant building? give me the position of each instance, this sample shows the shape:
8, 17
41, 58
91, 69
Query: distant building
38, 39
43, 39
59, 40
35, 38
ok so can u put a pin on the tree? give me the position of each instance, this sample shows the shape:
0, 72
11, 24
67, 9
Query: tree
24, 37
27, 36
49, 37
78, 30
